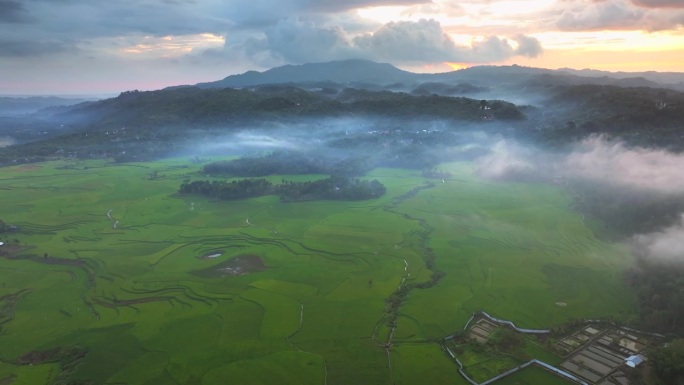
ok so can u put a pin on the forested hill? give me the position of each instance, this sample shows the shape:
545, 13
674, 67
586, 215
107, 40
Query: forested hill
344, 71
195, 106
639, 115
368, 74
140, 125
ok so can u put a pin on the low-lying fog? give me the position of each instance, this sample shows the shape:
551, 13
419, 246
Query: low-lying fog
617, 183
637, 191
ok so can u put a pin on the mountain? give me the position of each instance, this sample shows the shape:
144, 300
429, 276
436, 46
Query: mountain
12, 106
342, 72
668, 78
550, 106
367, 74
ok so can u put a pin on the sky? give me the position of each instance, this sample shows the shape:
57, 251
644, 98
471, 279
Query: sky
80, 47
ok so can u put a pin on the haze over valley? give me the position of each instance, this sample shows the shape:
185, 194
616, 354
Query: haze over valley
374, 192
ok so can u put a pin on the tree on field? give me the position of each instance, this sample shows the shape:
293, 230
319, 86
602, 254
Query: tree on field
668, 362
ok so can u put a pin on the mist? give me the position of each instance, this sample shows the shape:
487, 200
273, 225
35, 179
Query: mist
666, 245
508, 160
603, 161
638, 192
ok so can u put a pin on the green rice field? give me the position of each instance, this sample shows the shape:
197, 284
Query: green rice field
114, 278
533, 375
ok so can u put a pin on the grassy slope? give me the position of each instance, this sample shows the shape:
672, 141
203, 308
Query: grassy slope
503, 247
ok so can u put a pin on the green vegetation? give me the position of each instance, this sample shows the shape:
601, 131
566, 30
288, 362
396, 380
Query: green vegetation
668, 363
138, 126
643, 116
659, 292
5, 227
503, 350
161, 288
333, 188
287, 162
533, 375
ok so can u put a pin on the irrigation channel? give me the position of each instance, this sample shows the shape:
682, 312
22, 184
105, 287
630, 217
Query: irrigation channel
397, 298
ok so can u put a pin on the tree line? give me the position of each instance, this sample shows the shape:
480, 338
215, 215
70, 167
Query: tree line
288, 162
332, 188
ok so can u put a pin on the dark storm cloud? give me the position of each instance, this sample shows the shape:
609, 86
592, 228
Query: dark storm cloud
13, 12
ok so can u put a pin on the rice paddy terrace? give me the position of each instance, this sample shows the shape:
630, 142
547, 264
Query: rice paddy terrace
115, 278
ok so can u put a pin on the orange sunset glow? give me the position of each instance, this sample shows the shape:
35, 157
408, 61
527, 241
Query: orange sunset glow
457, 66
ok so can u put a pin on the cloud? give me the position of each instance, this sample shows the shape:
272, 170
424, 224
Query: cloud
638, 168
28, 48
338, 6
258, 14
659, 3
666, 245
408, 41
600, 15
633, 190
435, 9
294, 40
596, 160
13, 12
297, 42
528, 46
507, 160
84, 20
257, 34
579, 15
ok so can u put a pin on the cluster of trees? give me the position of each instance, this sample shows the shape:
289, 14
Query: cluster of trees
659, 290
332, 188
6, 227
288, 162
242, 189
627, 212
387, 103
668, 363
648, 117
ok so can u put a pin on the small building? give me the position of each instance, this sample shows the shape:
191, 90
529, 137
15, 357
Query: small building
2, 243
634, 361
